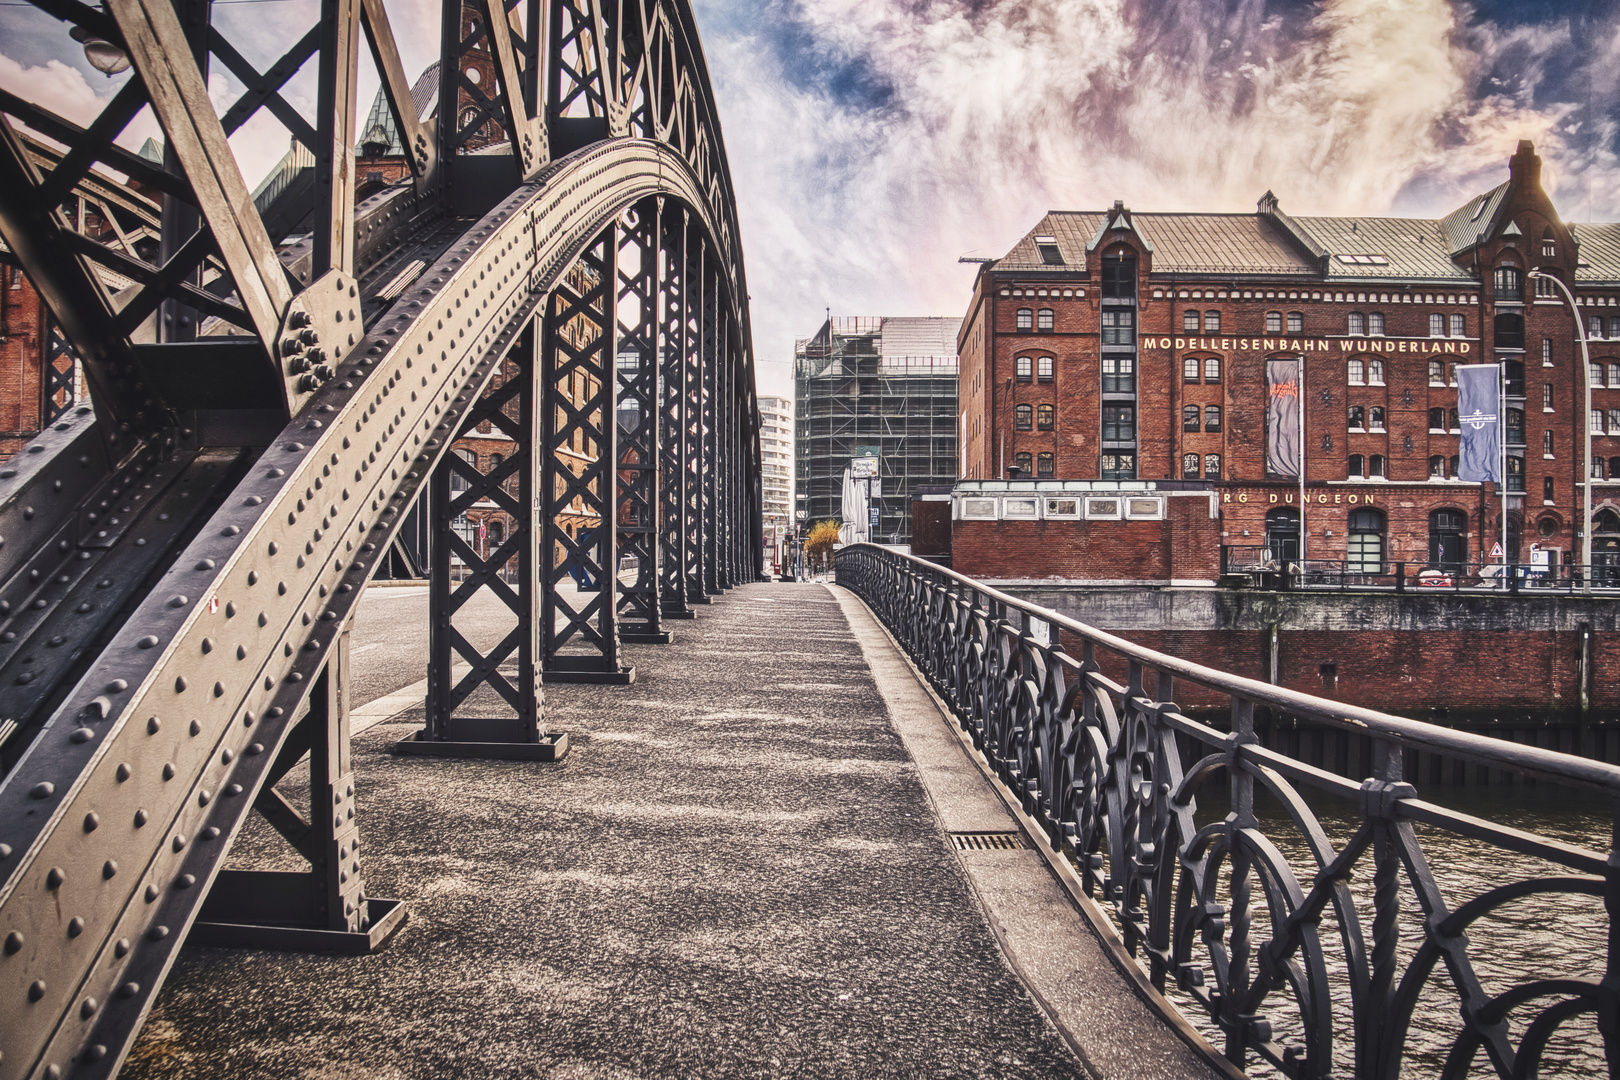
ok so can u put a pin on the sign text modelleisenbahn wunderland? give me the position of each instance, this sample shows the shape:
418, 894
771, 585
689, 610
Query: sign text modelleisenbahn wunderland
1305, 345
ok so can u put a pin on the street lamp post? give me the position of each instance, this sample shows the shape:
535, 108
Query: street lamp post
1586, 424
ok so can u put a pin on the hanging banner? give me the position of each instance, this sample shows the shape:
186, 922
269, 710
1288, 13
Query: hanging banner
1479, 406
1282, 418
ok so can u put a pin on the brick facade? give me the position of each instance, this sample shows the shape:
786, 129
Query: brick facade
1378, 309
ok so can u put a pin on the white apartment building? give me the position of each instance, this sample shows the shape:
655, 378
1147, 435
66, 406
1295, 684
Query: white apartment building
776, 464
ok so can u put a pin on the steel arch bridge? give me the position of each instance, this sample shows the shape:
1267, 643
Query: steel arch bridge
273, 389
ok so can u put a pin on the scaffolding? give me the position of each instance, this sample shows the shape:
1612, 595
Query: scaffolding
876, 387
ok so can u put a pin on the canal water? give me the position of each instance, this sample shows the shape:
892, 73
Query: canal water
1542, 937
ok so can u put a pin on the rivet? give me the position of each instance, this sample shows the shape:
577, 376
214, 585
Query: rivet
129, 989
204, 796
14, 942
117, 686
207, 644
219, 689
179, 843
122, 772
87, 1009
157, 933
75, 927
55, 877
185, 881
205, 564
36, 990
108, 870
255, 749
91, 821
233, 790
179, 601
211, 833
146, 642
42, 790
141, 817
81, 735
153, 725
179, 684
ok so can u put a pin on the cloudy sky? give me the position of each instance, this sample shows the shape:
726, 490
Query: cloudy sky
874, 142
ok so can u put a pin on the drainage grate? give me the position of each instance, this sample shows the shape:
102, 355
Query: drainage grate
986, 841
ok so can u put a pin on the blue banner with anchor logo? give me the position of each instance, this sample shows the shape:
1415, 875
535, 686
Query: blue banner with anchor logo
1479, 407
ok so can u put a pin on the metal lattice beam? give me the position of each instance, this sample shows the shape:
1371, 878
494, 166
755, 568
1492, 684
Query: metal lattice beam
641, 261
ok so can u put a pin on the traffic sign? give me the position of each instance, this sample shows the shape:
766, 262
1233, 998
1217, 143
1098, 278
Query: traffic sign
1496, 551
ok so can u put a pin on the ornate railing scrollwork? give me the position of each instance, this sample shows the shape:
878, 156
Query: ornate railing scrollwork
1289, 942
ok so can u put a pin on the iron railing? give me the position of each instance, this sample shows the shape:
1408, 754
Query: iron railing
1267, 570
1293, 960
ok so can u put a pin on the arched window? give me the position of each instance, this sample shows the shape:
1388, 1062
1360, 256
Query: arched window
1508, 284
1045, 417
1189, 418
1447, 545
1356, 466
1026, 318
1025, 415
1189, 321
1189, 369
1437, 373
1451, 418
1375, 418
1212, 370
1376, 466
1375, 373
1296, 322
1356, 418
1437, 467
1212, 322
1437, 325
1458, 326
1549, 243
1045, 464
1282, 535
1437, 419
1375, 324
1212, 466
1614, 467
457, 481
1355, 372
1021, 462
1026, 367
1358, 323
1273, 322
1043, 368
1044, 322
1212, 418
1365, 549
1189, 466
1605, 521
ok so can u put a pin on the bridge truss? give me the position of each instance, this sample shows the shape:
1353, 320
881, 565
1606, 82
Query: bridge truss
270, 393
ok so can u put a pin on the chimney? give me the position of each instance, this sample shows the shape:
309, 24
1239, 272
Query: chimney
1524, 166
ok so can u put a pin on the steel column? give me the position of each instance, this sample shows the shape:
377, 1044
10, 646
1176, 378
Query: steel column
638, 502
675, 372
579, 626
696, 455
709, 421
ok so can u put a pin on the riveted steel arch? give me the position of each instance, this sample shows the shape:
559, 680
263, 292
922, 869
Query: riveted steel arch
275, 379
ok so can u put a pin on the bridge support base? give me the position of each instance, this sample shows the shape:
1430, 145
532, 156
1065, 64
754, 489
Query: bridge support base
385, 917
553, 746
633, 637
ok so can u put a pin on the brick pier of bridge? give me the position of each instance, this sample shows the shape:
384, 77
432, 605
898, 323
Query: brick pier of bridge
744, 867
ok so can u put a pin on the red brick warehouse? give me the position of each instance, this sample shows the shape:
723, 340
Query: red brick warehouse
1131, 347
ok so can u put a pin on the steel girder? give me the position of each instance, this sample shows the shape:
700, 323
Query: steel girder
180, 564
641, 267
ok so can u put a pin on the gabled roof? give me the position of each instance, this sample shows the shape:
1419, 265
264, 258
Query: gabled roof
1382, 248
424, 96
1599, 252
1181, 243
1463, 227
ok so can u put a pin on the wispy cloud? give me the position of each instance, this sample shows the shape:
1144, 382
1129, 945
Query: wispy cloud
875, 141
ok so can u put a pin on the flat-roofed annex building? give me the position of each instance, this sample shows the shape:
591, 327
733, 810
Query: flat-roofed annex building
1126, 350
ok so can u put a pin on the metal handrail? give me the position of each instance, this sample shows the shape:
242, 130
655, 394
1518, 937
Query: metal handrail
1100, 764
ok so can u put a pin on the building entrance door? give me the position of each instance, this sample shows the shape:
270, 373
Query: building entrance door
1448, 548
1282, 536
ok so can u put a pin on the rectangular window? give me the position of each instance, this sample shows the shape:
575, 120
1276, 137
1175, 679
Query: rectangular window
1273, 322
1614, 374
1376, 418
1547, 443
1296, 322
1119, 423
1212, 418
1546, 484
1375, 465
1117, 466
1594, 327
1546, 352
1212, 322
1045, 418
1189, 418
1026, 319
1596, 373
1545, 289
1458, 326
1189, 466
1189, 369
1614, 421
1375, 373
1597, 421
1357, 324
1044, 320
1025, 367
1356, 372
1119, 282
1119, 374
1118, 326
1546, 397
1212, 466
1437, 325
1043, 368
1189, 321
1614, 326
1437, 467
1437, 373
1375, 324
1356, 419
1045, 464
1212, 370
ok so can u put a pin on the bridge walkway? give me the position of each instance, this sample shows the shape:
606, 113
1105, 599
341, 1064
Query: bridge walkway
742, 868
